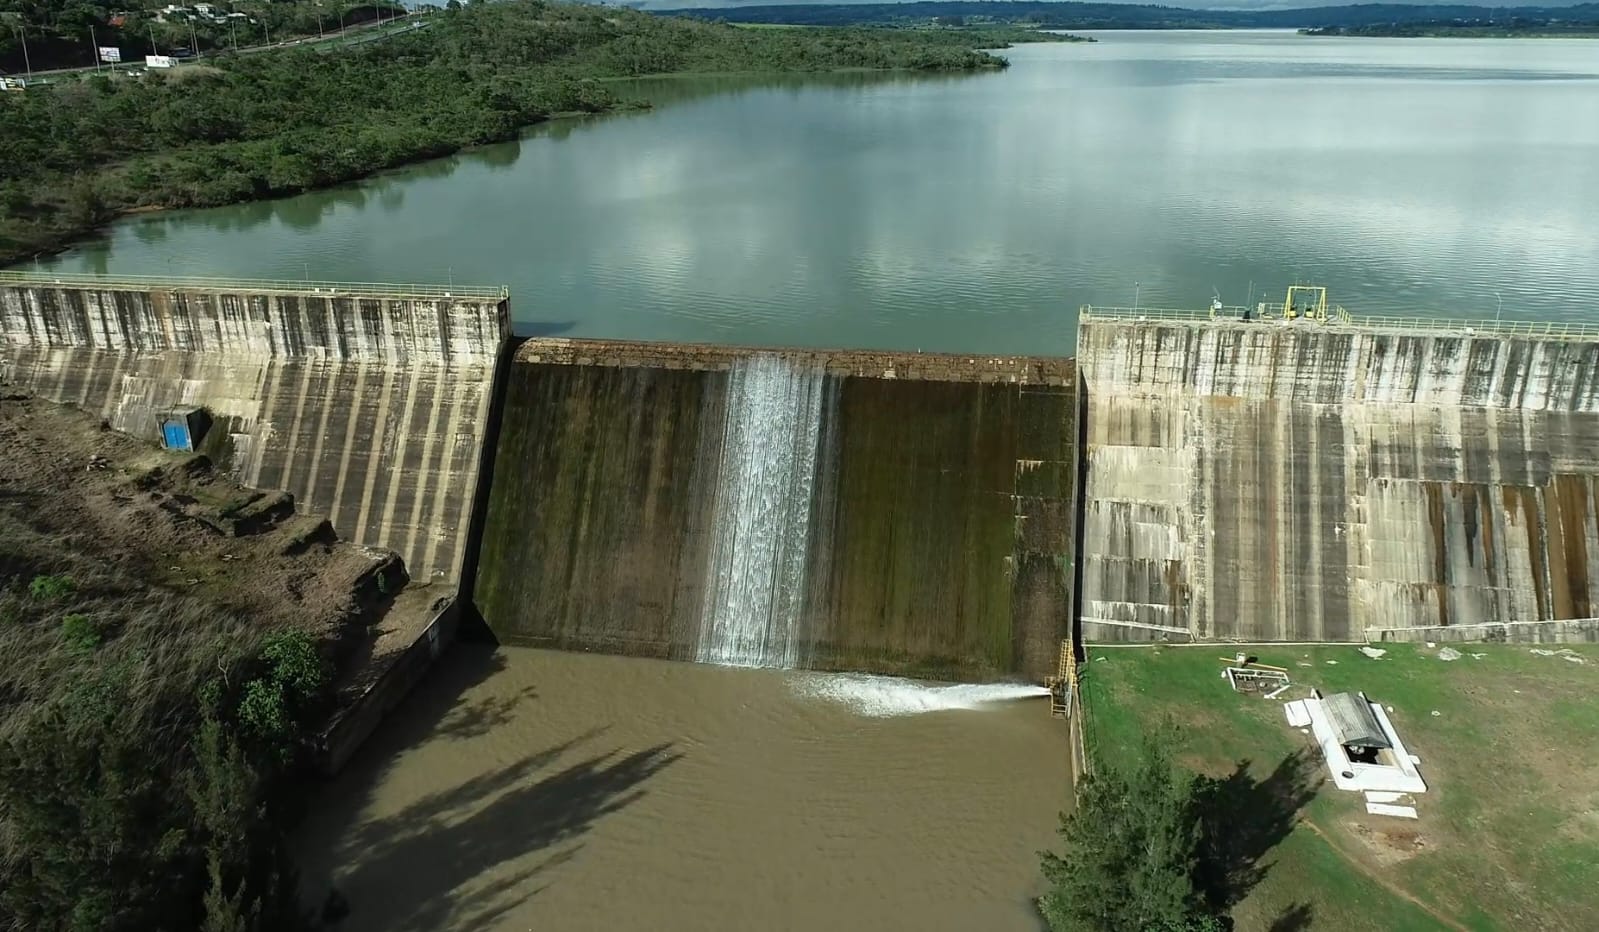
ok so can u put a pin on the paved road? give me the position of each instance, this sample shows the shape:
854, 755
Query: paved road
358, 34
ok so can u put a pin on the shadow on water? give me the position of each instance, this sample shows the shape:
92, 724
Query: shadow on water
495, 158
1243, 819
461, 856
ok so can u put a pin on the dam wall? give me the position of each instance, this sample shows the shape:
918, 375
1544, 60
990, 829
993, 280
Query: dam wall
892, 513
1271, 480
368, 402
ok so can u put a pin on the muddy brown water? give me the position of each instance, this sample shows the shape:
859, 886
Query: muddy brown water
526, 789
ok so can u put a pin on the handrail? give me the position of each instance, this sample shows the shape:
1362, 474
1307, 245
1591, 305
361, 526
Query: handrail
293, 286
1553, 330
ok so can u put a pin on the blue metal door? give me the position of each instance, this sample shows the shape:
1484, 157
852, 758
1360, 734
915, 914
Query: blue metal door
176, 435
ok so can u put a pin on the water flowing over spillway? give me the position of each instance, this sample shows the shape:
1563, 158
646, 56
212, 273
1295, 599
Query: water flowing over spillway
761, 520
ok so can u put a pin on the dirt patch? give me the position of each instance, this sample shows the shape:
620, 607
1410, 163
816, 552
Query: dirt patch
166, 519
126, 521
1381, 878
1388, 844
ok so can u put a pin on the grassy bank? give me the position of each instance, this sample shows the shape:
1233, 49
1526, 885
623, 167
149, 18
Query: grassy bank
266, 125
1509, 830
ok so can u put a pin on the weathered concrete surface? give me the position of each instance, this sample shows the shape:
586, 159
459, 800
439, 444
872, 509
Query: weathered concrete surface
1575, 630
939, 540
1272, 481
368, 406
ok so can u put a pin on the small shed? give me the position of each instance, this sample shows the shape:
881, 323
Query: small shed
1353, 723
184, 428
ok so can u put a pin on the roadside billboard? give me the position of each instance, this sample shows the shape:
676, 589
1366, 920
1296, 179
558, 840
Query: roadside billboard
159, 61
110, 54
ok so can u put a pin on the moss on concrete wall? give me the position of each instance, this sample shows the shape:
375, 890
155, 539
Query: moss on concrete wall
595, 538
940, 532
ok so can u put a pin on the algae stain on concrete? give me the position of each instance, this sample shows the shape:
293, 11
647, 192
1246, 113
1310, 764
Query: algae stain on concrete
596, 528
935, 513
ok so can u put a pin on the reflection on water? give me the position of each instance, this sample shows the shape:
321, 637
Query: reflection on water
527, 789
975, 213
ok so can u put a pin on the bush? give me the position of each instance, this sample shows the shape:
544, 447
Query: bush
51, 588
273, 702
80, 633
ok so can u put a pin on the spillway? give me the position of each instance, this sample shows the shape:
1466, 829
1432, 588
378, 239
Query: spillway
761, 518
893, 513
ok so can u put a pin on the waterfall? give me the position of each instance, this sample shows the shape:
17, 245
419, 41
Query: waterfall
761, 517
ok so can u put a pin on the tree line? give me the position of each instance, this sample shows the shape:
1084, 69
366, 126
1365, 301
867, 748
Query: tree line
1073, 15
78, 153
1580, 23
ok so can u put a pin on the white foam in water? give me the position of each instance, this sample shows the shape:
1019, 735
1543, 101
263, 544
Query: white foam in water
887, 696
755, 588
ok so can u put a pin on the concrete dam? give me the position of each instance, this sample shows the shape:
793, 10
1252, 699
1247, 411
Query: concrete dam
899, 513
369, 403
891, 513
1273, 480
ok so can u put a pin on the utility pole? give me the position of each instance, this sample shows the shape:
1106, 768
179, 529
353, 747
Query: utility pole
233, 32
22, 31
94, 46
194, 41
152, 40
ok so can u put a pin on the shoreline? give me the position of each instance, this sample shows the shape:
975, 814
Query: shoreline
396, 106
90, 234
55, 246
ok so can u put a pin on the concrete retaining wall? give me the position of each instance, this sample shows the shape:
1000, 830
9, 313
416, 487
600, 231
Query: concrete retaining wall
1271, 481
368, 406
940, 540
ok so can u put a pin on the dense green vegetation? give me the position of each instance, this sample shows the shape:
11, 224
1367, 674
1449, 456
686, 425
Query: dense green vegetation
281, 122
1136, 858
142, 735
1065, 15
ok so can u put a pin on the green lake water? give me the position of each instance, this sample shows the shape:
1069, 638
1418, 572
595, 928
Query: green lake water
976, 213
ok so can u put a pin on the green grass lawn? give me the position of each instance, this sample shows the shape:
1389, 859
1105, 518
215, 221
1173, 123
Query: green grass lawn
1509, 831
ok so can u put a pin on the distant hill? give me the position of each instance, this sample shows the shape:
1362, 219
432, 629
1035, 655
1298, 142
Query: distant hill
1134, 16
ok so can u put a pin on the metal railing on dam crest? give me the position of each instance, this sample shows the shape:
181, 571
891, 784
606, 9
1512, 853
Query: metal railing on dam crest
252, 286
1345, 321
